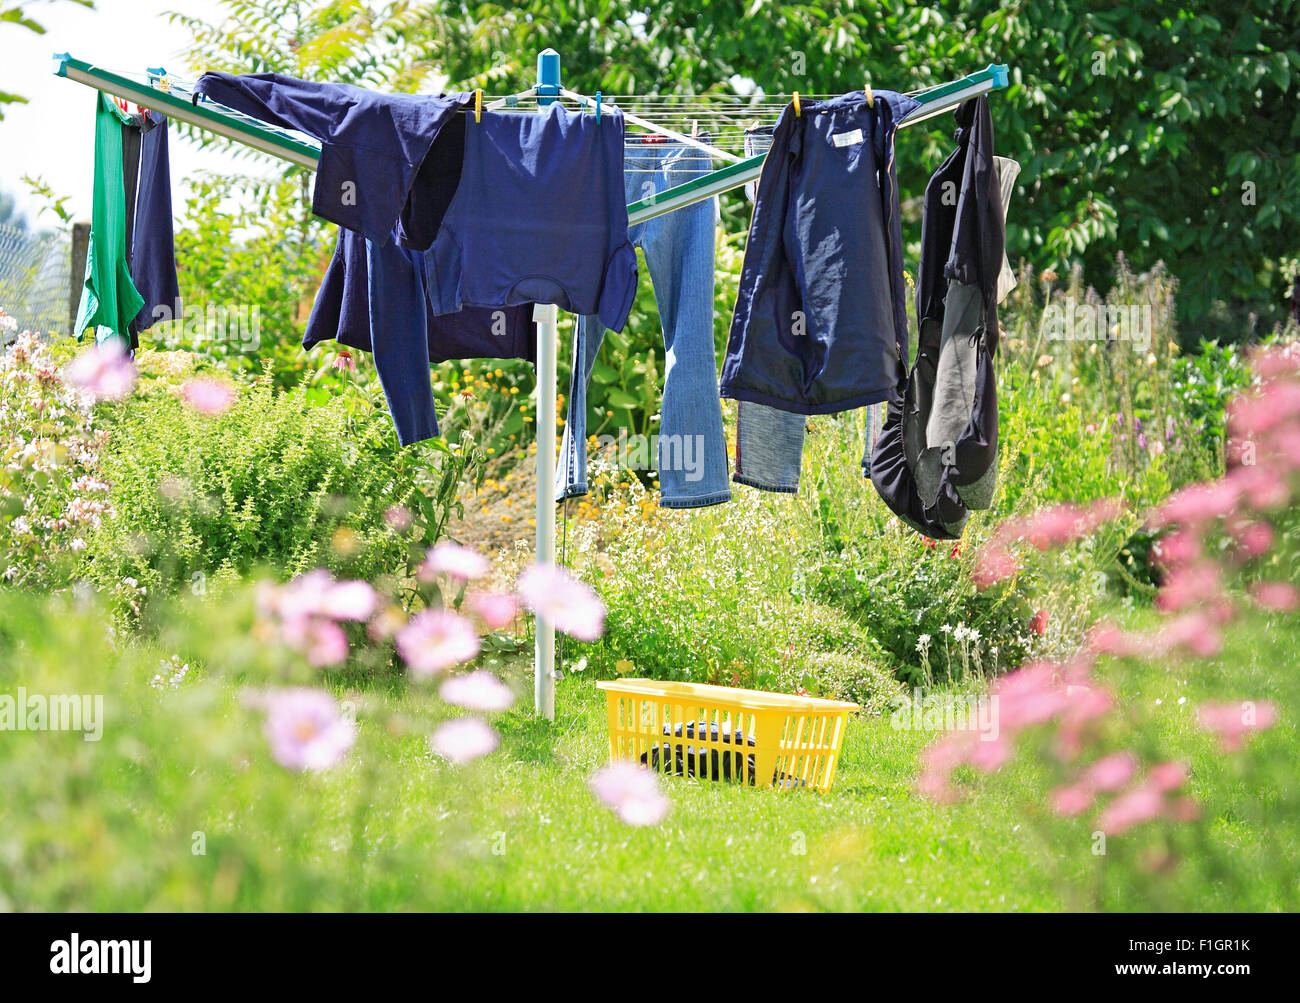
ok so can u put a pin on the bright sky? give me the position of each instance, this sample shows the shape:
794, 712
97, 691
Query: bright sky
53, 135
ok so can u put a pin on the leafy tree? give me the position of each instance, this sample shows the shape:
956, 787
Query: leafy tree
1163, 131
13, 14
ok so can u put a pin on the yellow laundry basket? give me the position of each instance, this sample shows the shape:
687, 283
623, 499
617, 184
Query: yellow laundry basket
721, 733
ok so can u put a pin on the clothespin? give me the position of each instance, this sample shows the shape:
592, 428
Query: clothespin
797, 112
695, 128
598, 107
478, 105
871, 98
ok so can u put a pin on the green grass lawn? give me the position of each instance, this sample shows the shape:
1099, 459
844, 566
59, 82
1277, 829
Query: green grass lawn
180, 806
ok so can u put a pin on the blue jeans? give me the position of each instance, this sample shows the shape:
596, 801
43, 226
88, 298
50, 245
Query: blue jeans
679, 252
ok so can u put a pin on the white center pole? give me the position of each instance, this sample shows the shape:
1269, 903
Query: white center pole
546, 315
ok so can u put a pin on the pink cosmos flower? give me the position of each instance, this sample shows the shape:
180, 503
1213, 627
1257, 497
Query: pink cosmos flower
481, 691
1072, 800
1254, 538
463, 740
1189, 585
1178, 548
354, 600
1283, 597
323, 643
1029, 696
455, 561
496, 609
993, 566
436, 639
1275, 361
558, 598
306, 730
632, 792
105, 371
1127, 810
1167, 776
1232, 722
1255, 414
1106, 638
1260, 485
398, 517
1195, 631
1198, 504
208, 396
1112, 772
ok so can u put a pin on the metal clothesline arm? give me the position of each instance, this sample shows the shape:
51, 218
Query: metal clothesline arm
934, 101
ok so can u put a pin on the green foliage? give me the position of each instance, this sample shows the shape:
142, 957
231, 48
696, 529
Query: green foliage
277, 481
716, 597
249, 258
50, 494
1139, 128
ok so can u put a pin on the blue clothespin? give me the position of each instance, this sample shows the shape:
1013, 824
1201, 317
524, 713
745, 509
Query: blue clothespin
598, 107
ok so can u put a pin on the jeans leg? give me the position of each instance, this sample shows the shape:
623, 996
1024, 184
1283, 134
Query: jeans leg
399, 339
571, 471
769, 447
679, 251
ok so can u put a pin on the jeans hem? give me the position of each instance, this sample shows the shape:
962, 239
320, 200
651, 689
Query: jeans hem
753, 482
572, 491
717, 498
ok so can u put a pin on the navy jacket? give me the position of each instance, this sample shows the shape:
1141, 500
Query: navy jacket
373, 147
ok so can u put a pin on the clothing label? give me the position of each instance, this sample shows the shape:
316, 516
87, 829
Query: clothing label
847, 138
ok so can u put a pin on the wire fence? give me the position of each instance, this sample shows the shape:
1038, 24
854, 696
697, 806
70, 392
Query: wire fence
35, 278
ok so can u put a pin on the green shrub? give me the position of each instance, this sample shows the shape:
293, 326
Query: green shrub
275, 481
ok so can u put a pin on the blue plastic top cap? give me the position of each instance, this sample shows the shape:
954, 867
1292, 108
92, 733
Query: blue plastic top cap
1000, 74
548, 68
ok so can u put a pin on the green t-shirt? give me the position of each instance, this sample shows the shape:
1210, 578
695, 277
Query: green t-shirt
109, 299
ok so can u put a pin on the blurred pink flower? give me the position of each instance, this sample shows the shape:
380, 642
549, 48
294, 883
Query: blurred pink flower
1112, 772
1194, 631
1254, 414
1283, 597
632, 791
1261, 486
354, 600
558, 598
1275, 361
992, 566
208, 396
324, 643
1029, 696
1167, 776
455, 561
436, 639
105, 371
481, 691
398, 517
1127, 810
1232, 722
1189, 585
305, 729
1072, 800
463, 740
1254, 538
495, 609
1177, 548
1198, 503
1105, 638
